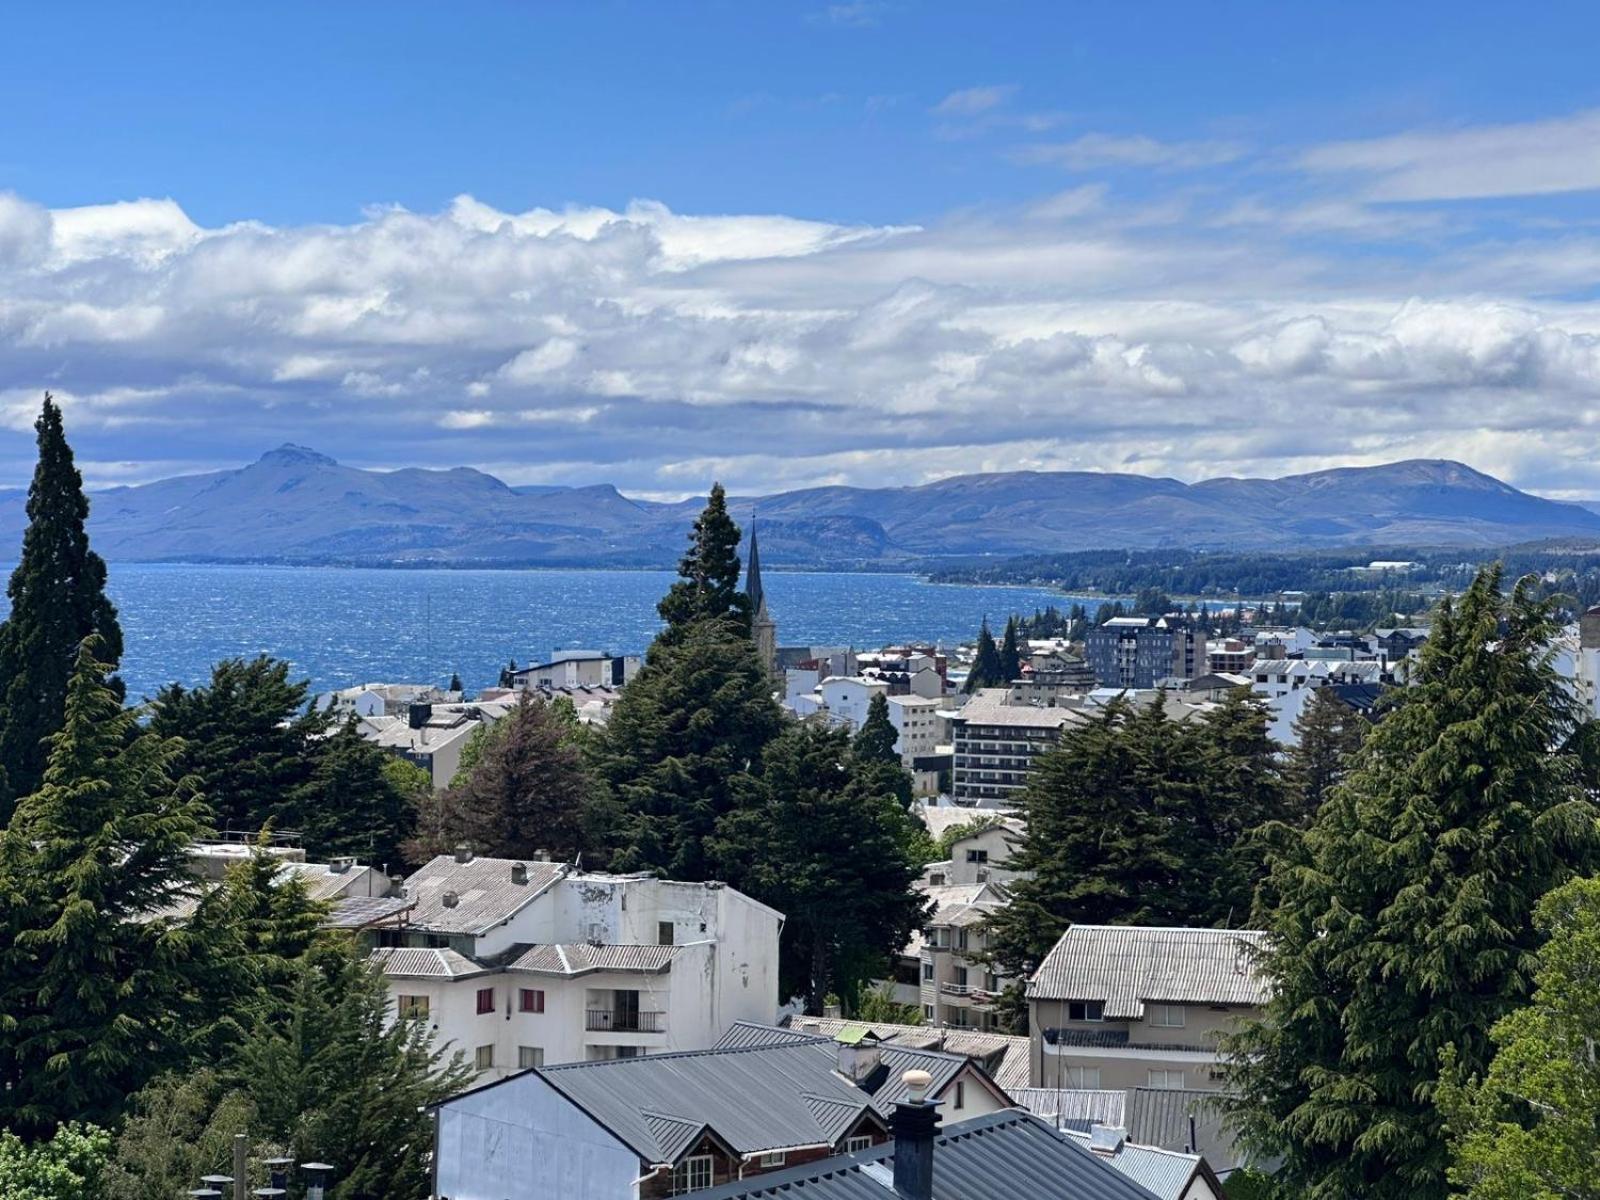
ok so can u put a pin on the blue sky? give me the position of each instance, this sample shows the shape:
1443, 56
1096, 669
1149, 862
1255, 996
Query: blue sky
792, 244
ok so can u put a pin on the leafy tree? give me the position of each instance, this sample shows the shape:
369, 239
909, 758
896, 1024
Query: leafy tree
880, 1007
1011, 1009
708, 587
508, 674
349, 803
180, 1127
1152, 602
685, 733
68, 1166
92, 980
1329, 733
528, 790
874, 750
847, 913
1402, 922
58, 599
1527, 1129
1010, 654
248, 738
986, 670
954, 833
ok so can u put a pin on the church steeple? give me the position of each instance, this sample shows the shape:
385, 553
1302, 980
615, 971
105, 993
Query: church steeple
763, 629
752, 575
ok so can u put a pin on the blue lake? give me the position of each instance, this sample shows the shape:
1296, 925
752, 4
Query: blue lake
343, 625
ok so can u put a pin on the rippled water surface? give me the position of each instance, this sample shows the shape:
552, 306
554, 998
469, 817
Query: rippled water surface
342, 625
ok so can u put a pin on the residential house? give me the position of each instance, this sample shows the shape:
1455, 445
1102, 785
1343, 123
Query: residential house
431, 736
522, 963
671, 1124
1117, 1007
383, 699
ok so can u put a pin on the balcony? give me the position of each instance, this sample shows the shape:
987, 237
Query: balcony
604, 1020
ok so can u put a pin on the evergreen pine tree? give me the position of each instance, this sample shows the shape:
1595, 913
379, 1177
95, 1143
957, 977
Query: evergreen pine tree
708, 587
58, 598
875, 756
349, 804
845, 914
685, 731
1403, 918
1329, 733
92, 977
455, 682
1010, 655
986, 668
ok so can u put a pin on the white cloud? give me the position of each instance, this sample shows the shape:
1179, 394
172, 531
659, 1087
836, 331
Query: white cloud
1096, 150
1529, 158
971, 102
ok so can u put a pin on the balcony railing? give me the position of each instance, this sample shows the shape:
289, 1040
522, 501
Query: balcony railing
956, 989
604, 1020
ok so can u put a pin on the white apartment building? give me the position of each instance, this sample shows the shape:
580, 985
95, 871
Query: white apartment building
577, 668
1120, 1007
517, 964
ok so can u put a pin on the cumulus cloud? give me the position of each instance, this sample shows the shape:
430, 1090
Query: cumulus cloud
653, 348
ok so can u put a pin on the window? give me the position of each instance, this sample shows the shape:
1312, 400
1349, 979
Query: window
961, 1094
960, 976
663, 933
693, 1174
1167, 1016
484, 1058
860, 1142
1083, 1078
529, 1057
629, 1052
977, 856
1165, 1079
530, 1000
927, 1012
936, 879
411, 1007
776, 1159
485, 1000
927, 972
1086, 1010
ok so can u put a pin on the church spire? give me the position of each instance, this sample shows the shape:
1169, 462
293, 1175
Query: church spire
752, 575
762, 627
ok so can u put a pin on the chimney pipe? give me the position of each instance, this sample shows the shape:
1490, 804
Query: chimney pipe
463, 853
519, 873
914, 1124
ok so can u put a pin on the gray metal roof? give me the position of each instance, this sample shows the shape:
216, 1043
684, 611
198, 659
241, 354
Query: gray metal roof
1010, 1155
1125, 966
357, 912
580, 958
1162, 1116
484, 890
1074, 1108
1167, 1173
409, 963
1004, 1056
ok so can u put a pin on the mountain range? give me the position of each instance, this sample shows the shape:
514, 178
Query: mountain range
296, 505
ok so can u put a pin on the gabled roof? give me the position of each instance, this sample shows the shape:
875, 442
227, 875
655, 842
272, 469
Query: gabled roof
1167, 1173
1003, 1056
408, 963
358, 912
1010, 1155
485, 892
1127, 965
581, 958
1183, 1119
1074, 1108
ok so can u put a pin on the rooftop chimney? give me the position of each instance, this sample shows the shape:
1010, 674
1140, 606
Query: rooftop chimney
914, 1123
541, 856
463, 853
418, 715
859, 1054
450, 899
519, 872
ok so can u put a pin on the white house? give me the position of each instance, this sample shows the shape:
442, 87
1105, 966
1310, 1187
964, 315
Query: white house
521, 963
846, 697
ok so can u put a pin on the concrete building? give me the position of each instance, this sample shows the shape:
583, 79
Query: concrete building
1140, 652
431, 736
521, 963
577, 669
995, 742
1119, 1007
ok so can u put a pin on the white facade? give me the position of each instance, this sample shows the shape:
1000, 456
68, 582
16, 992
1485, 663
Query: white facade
846, 697
581, 966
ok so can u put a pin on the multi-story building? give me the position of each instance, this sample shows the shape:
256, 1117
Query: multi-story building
995, 743
521, 963
1119, 1007
1140, 652
577, 668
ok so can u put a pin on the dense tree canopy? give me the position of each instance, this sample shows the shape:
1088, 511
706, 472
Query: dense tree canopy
1328, 733
1402, 922
708, 584
58, 598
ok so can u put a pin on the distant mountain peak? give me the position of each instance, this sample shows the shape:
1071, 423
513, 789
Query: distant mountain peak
290, 455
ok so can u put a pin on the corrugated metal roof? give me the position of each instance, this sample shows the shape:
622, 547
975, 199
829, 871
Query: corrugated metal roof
1165, 1172
1074, 1108
1125, 966
485, 892
1162, 1117
357, 912
406, 962
1009, 1155
580, 958
1004, 1056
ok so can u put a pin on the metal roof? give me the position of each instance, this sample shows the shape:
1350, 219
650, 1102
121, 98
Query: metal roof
1074, 1108
405, 962
1003, 1056
1167, 1173
1181, 1119
581, 958
485, 894
357, 912
1007, 1155
1125, 966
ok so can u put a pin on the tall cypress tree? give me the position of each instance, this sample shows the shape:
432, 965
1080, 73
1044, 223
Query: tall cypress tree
985, 670
708, 587
93, 980
1010, 655
873, 749
1329, 733
57, 599
1403, 919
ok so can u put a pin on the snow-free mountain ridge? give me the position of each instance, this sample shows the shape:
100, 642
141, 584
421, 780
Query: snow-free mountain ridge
296, 505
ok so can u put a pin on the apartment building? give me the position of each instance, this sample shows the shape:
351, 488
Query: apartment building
1121, 1007
1141, 652
577, 668
516, 964
995, 743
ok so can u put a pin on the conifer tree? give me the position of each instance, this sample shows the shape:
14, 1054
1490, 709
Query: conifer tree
708, 587
845, 913
92, 978
874, 750
1403, 917
58, 598
455, 682
986, 669
349, 804
684, 733
1328, 735
1010, 655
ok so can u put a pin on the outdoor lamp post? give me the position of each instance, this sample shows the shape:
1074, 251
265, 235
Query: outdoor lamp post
316, 1179
277, 1172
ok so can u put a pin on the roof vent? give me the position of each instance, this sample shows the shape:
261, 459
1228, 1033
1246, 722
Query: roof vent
341, 864
450, 899
1106, 1139
463, 853
519, 872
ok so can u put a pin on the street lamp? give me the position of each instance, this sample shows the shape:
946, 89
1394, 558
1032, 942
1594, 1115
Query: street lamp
316, 1178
